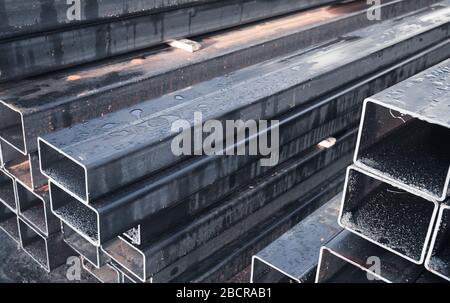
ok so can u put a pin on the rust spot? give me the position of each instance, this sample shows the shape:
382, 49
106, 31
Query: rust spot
73, 78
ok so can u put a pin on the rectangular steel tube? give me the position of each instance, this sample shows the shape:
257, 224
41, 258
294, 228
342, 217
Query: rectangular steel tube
351, 259
22, 167
54, 50
419, 105
298, 177
87, 92
112, 158
34, 207
386, 215
49, 252
293, 257
233, 258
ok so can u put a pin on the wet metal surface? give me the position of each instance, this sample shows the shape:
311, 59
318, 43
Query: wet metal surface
293, 257
419, 105
390, 217
123, 145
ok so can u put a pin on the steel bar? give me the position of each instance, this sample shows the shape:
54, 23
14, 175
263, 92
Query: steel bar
206, 169
352, 259
87, 92
89, 252
293, 257
105, 274
53, 50
233, 258
438, 258
224, 222
386, 215
22, 167
49, 252
109, 160
8, 223
419, 163
34, 207
8, 191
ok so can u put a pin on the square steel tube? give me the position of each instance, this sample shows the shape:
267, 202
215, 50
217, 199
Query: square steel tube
49, 252
23, 167
405, 134
34, 207
88, 251
386, 215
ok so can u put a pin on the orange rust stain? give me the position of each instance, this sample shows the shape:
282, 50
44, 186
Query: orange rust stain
73, 78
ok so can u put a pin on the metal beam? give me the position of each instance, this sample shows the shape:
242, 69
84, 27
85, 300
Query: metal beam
236, 256
53, 50
24, 168
91, 91
34, 207
352, 259
49, 252
112, 158
293, 257
34, 16
386, 215
205, 169
89, 252
225, 222
420, 163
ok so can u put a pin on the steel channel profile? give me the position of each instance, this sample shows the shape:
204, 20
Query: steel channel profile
120, 81
386, 215
49, 252
34, 207
421, 163
89, 252
211, 165
293, 257
8, 223
438, 258
93, 168
8, 191
24, 168
410, 66
105, 274
349, 258
106, 39
156, 255
233, 258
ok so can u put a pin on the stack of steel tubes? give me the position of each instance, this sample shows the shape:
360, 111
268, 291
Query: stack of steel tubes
397, 187
87, 158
